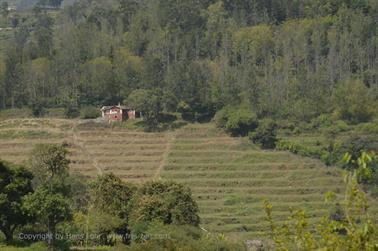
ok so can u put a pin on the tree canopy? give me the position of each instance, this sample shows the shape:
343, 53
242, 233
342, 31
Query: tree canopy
278, 58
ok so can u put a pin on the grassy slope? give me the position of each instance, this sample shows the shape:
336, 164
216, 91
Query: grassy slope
229, 177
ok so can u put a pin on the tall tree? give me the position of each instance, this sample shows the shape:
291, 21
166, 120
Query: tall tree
50, 203
15, 184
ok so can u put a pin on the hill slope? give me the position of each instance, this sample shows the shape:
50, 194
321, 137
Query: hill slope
229, 177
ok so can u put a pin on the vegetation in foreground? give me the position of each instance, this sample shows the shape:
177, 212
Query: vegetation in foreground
48, 204
157, 215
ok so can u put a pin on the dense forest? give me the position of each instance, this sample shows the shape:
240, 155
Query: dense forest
280, 58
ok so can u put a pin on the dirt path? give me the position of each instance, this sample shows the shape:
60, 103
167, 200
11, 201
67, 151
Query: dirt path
90, 156
163, 162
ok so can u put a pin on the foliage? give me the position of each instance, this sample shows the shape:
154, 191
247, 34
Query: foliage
238, 122
170, 237
168, 202
111, 194
148, 102
38, 246
353, 102
365, 166
89, 112
50, 203
265, 135
51, 208
38, 109
48, 162
221, 117
298, 148
286, 59
71, 111
355, 231
15, 184
111, 198
96, 222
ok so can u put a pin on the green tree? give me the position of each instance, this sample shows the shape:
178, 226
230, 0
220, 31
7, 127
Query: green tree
42, 35
265, 135
111, 196
353, 102
50, 203
50, 208
238, 121
49, 162
97, 83
15, 184
167, 202
149, 103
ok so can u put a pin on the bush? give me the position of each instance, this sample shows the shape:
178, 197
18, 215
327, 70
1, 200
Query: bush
38, 246
368, 128
265, 135
241, 122
221, 117
170, 237
354, 145
71, 111
323, 120
299, 149
38, 109
89, 112
197, 112
237, 122
168, 202
336, 128
353, 102
185, 111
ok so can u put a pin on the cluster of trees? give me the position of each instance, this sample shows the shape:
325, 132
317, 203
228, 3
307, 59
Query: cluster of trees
242, 122
47, 199
279, 58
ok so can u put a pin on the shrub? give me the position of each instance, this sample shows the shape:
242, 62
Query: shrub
237, 122
168, 202
337, 127
199, 112
89, 112
299, 149
221, 117
353, 102
297, 233
354, 145
241, 122
38, 109
323, 120
265, 135
71, 111
368, 128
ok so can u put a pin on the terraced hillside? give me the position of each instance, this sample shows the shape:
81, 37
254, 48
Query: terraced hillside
134, 156
229, 177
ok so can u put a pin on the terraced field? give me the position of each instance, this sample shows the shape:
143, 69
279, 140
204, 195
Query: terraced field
230, 180
133, 156
229, 177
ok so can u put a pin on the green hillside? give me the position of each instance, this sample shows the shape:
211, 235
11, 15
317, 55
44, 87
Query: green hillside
229, 177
